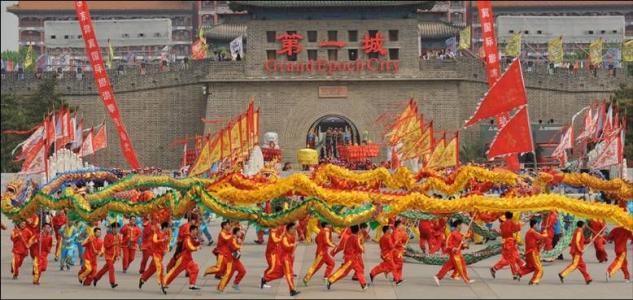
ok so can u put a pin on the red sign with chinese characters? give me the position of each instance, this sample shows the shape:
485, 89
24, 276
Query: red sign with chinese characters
338, 44
290, 43
374, 44
93, 52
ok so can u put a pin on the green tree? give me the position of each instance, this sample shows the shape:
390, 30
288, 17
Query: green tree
23, 113
472, 152
624, 99
15, 56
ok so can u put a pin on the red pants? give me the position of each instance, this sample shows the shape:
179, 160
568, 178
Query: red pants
620, 262
533, 264
146, 255
88, 270
321, 258
386, 266
232, 265
456, 263
155, 267
282, 269
16, 263
128, 256
350, 263
42, 265
398, 264
181, 265
509, 256
428, 239
601, 252
273, 260
108, 267
577, 263
220, 265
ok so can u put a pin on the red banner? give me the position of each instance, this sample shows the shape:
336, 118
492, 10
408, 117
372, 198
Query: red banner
514, 137
491, 56
93, 52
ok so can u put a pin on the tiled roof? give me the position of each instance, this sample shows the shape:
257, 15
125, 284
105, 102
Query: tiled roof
100, 5
225, 31
434, 30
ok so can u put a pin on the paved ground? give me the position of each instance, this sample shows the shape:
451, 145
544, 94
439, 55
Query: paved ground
419, 282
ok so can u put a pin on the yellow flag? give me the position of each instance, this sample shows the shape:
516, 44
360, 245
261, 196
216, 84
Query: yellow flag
110, 55
28, 60
425, 146
244, 130
226, 143
256, 126
203, 162
555, 50
513, 48
595, 51
449, 156
436, 155
395, 133
236, 144
627, 50
464, 38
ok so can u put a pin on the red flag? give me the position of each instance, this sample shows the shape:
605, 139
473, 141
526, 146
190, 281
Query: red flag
50, 128
395, 161
34, 161
86, 147
100, 139
514, 137
505, 94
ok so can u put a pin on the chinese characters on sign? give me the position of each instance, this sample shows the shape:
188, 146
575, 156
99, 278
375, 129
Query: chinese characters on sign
332, 92
93, 52
291, 46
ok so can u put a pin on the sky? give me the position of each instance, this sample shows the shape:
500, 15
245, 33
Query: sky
9, 28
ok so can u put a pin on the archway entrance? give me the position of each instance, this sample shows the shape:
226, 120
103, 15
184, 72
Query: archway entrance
329, 132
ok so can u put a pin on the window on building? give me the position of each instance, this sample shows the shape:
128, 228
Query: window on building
393, 35
352, 35
53, 37
292, 57
312, 36
332, 35
313, 54
270, 36
590, 32
372, 33
394, 54
539, 32
353, 54
603, 31
141, 35
526, 32
332, 54
511, 31
65, 37
271, 54
125, 35
79, 37
157, 34
614, 31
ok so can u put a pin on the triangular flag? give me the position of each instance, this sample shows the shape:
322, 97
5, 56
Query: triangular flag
436, 155
86, 147
100, 139
514, 137
203, 163
505, 94
35, 159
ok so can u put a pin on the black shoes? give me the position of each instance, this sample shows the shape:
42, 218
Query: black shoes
371, 278
140, 283
162, 288
294, 293
328, 285
114, 285
588, 281
562, 279
493, 272
194, 288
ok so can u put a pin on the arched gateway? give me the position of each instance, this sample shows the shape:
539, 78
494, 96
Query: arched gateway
330, 131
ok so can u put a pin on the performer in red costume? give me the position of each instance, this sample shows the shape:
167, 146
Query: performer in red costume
183, 233
22, 238
352, 257
547, 226
160, 244
620, 236
533, 242
112, 250
576, 250
59, 220
599, 241
400, 240
322, 256
190, 244
233, 263
46, 244
509, 250
146, 244
426, 235
287, 256
386, 254
129, 242
455, 261
93, 247
221, 250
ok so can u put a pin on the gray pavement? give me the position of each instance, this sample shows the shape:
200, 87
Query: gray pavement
419, 280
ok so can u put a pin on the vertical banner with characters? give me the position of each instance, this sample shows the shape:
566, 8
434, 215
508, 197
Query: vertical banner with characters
93, 52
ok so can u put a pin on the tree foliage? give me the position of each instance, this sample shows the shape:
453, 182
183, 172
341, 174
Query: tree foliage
15, 56
23, 113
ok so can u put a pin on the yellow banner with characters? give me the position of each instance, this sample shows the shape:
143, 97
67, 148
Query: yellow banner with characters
555, 50
595, 51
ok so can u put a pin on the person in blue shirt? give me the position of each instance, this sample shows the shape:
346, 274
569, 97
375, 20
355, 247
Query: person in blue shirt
69, 233
557, 235
205, 229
